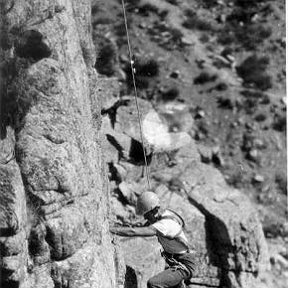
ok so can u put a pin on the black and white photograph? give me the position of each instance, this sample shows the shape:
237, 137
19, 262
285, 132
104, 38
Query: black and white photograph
143, 144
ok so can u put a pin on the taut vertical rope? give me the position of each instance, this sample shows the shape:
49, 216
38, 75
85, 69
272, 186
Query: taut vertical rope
135, 93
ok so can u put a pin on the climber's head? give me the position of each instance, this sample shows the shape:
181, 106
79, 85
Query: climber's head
148, 205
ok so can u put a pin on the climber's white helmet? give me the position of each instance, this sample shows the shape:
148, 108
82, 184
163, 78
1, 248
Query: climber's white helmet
146, 202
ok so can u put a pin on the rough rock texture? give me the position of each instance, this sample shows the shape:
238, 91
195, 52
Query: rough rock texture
54, 192
54, 228
222, 225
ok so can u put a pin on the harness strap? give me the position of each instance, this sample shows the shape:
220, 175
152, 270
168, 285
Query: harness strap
172, 262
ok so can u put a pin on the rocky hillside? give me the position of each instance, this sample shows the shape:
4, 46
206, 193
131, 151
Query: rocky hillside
211, 81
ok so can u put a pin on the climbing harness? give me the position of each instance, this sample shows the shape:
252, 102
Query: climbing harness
133, 71
173, 263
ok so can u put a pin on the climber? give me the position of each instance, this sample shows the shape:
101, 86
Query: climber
167, 226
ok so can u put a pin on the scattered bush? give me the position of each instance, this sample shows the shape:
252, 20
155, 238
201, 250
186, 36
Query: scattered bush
101, 20
252, 94
252, 36
240, 15
226, 36
252, 71
172, 39
176, 36
265, 100
279, 123
95, 9
204, 77
106, 58
247, 36
248, 141
194, 22
163, 14
173, 2
174, 75
130, 5
281, 181
221, 86
248, 3
149, 68
250, 105
259, 95
208, 3
204, 38
120, 29
148, 8
144, 71
225, 103
170, 94
273, 230
260, 117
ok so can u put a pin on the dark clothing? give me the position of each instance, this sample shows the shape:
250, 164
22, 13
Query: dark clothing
181, 267
168, 278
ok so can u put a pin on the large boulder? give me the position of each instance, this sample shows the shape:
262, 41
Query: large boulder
164, 130
221, 224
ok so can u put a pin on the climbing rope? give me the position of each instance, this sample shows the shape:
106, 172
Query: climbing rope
133, 71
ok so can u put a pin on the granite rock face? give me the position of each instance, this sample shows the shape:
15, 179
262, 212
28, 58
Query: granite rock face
221, 224
54, 224
55, 197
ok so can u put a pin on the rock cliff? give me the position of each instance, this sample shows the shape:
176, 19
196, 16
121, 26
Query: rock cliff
221, 223
54, 193
55, 197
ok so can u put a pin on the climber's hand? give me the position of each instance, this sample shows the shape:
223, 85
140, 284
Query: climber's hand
114, 230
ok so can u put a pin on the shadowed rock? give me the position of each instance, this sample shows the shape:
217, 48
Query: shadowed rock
55, 187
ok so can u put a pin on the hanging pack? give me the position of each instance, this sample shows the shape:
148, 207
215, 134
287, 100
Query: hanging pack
176, 217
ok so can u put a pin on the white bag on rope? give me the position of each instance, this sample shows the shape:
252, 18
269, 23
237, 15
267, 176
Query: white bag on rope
157, 134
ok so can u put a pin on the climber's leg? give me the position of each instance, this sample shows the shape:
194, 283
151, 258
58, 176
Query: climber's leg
168, 278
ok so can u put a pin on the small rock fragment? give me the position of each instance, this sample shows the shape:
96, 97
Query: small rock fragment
205, 153
253, 155
258, 178
175, 74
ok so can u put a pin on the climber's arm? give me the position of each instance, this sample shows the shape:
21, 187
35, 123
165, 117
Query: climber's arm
133, 231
